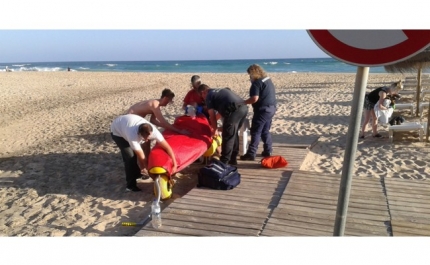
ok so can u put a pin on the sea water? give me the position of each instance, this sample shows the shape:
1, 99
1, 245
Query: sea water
306, 65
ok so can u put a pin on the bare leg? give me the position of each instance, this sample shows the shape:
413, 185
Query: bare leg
367, 114
374, 124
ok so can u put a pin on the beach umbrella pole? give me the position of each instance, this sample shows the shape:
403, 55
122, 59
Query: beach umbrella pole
428, 124
350, 149
418, 98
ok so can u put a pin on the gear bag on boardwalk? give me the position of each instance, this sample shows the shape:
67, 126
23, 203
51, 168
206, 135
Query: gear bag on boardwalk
219, 176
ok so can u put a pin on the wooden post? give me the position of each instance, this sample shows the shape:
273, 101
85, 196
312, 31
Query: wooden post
418, 91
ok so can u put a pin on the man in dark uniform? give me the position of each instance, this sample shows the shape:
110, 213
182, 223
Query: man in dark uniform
231, 107
262, 96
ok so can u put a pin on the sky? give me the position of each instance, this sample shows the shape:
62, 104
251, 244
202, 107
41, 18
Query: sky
150, 45
47, 30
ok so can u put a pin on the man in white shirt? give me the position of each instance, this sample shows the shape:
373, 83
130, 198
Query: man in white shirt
133, 134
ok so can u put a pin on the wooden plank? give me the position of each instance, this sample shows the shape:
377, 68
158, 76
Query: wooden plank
228, 222
395, 213
148, 232
333, 192
407, 197
211, 209
409, 208
268, 232
403, 195
332, 188
352, 208
180, 231
227, 205
233, 200
419, 204
336, 183
399, 233
263, 175
412, 219
280, 229
379, 229
409, 189
309, 197
280, 213
322, 228
399, 223
243, 196
377, 217
409, 230
352, 204
310, 194
172, 212
207, 229
408, 183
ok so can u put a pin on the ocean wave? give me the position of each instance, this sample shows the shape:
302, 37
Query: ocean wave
286, 63
272, 63
84, 68
20, 65
37, 69
111, 64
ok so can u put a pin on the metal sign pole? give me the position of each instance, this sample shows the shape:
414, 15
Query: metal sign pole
350, 149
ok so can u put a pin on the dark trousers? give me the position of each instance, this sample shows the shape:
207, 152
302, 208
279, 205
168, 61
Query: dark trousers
132, 169
260, 128
230, 135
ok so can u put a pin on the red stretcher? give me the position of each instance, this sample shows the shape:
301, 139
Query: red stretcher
187, 149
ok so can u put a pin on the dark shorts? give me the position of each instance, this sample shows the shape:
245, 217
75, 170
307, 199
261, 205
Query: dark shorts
367, 104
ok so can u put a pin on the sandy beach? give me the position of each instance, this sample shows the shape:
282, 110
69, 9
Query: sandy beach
61, 174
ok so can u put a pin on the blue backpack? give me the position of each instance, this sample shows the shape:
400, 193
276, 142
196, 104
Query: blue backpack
219, 176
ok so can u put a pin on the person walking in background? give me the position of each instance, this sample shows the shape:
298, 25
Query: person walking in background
132, 134
233, 111
153, 107
377, 96
193, 97
263, 99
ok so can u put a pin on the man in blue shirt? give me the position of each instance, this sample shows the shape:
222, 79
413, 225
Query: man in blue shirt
231, 107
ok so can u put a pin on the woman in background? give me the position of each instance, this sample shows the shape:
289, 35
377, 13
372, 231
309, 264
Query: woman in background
377, 96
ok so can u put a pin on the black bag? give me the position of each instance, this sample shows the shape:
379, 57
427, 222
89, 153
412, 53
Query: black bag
219, 176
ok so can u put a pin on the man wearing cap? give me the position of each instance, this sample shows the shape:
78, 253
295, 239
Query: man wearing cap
152, 107
193, 97
132, 134
233, 110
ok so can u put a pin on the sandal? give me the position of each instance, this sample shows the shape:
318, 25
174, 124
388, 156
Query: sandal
361, 136
377, 135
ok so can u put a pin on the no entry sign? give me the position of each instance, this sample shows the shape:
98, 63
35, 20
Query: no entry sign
371, 47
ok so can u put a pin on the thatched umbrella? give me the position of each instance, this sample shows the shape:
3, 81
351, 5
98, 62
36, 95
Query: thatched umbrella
415, 63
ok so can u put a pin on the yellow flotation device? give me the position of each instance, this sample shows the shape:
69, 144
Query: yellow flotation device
216, 141
165, 183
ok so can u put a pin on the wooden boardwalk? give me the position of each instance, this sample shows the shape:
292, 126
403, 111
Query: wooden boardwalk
308, 207
290, 202
239, 212
409, 205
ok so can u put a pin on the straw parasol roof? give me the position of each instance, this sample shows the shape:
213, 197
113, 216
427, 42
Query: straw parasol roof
419, 61
415, 63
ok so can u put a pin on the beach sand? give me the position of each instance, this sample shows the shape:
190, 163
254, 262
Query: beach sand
61, 174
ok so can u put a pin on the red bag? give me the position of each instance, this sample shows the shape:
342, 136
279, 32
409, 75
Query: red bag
274, 162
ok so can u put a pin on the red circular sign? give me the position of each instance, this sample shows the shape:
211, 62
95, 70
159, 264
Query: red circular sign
371, 47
